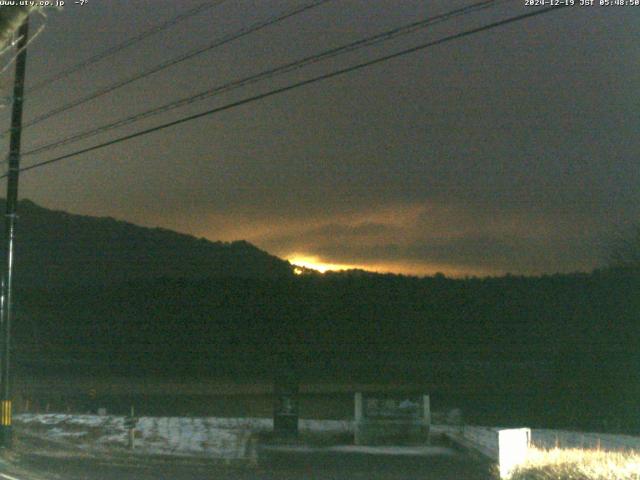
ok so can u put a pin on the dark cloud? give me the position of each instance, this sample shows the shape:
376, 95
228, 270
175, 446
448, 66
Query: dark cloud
481, 253
513, 150
428, 238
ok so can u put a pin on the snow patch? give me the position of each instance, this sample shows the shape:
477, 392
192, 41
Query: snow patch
213, 437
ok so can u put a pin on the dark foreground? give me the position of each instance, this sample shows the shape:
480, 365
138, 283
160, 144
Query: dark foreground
441, 464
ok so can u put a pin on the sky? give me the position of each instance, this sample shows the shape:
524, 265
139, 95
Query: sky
510, 151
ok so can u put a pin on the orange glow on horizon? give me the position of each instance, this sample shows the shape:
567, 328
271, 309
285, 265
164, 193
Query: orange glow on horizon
315, 263
301, 261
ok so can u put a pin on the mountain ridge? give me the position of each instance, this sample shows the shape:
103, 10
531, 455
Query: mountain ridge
54, 246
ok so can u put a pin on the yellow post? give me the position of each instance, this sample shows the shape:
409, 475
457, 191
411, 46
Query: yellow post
5, 413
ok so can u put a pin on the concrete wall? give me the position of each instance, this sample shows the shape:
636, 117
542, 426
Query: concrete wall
485, 438
566, 439
482, 439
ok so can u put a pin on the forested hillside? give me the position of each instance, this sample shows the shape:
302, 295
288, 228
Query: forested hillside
559, 348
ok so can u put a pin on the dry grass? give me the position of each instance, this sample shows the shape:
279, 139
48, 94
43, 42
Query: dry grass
578, 464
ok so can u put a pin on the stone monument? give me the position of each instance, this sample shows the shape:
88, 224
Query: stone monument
388, 418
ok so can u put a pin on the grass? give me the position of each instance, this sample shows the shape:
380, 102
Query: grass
578, 464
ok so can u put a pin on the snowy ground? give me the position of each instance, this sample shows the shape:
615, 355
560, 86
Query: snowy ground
211, 437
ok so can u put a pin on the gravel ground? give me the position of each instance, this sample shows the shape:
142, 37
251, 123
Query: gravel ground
285, 466
40, 459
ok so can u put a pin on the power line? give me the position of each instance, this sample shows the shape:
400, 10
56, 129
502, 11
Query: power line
276, 71
280, 70
293, 86
174, 61
127, 43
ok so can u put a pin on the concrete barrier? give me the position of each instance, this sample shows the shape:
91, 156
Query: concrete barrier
513, 445
507, 447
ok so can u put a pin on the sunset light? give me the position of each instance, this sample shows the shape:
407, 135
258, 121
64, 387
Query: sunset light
315, 263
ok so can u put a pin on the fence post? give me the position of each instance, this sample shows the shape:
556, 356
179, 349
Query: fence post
426, 413
358, 418
130, 423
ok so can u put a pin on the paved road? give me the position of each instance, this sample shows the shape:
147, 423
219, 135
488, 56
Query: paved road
443, 465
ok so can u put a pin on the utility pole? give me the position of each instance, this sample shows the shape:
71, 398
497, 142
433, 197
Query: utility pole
6, 428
